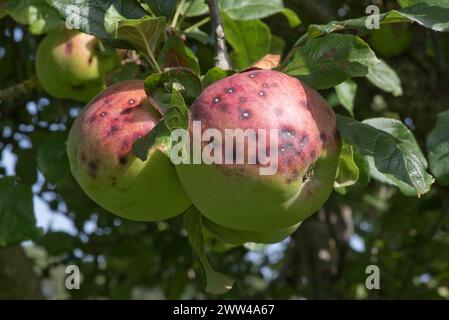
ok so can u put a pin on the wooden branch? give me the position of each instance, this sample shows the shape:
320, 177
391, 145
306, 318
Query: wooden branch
221, 52
19, 89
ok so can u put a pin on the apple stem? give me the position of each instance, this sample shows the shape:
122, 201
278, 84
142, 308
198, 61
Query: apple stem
221, 52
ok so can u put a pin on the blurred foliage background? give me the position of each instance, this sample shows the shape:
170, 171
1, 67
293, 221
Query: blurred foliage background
407, 237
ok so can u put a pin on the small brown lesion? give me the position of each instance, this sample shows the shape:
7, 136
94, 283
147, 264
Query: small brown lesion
93, 167
68, 47
123, 160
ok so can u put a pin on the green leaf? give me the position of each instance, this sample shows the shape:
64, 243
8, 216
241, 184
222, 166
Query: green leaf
175, 53
216, 283
143, 34
162, 7
438, 148
170, 102
292, 17
251, 9
177, 116
364, 169
385, 78
405, 188
347, 171
159, 86
58, 243
327, 61
408, 3
249, 39
277, 45
89, 16
215, 74
26, 166
111, 18
346, 92
38, 14
195, 8
17, 221
52, 158
393, 147
158, 137
432, 14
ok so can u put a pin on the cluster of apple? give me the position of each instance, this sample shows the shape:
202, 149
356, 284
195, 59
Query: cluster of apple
237, 203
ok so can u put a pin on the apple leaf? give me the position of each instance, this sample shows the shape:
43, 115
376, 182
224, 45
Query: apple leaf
162, 7
143, 34
330, 60
175, 53
251, 9
385, 78
394, 150
432, 14
17, 221
250, 40
215, 74
346, 92
347, 171
216, 283
38, 14
89, 15
438, 148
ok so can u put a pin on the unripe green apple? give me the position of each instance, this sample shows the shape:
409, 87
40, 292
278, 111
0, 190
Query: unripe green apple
391, 40
69, 64
237, 196
99, 148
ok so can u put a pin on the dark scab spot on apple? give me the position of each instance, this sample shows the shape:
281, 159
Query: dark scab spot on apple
262, 94
127, 111
245, 114
242, 99
131, 101
125, 143
313, 154
122, 160
323, 137
69, 47
91, 119
93, 168
83, 157
216, 100
103, 114
288, 181
223, 107
304, 140
113, 130
230, 90
90, 60
265, 85
253, 75
108, 102
78, 87
196, 115
288, 131
295, 174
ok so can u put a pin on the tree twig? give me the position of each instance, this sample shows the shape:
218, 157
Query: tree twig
19, 89
221, 52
